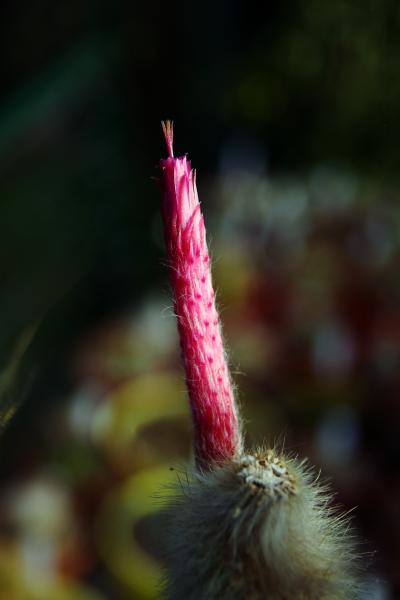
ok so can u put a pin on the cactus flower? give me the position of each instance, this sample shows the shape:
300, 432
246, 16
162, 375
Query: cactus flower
216, 427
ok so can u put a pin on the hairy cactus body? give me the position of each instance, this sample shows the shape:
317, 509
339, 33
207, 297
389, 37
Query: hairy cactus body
258, 527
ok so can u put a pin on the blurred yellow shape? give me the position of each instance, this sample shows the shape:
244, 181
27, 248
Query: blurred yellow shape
147, 398
135, 499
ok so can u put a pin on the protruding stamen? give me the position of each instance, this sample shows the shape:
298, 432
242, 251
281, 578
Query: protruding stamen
168, 131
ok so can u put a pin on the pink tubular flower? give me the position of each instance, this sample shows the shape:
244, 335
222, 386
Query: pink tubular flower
217, 432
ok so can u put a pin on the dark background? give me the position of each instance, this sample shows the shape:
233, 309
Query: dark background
283, 106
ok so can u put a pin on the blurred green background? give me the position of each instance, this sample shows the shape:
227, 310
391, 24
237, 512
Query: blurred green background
290, 113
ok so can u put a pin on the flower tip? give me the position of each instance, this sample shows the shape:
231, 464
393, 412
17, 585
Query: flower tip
168, 130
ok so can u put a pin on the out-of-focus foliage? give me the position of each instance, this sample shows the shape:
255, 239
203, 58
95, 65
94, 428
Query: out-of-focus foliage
324, 83
290, 112
307, 286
